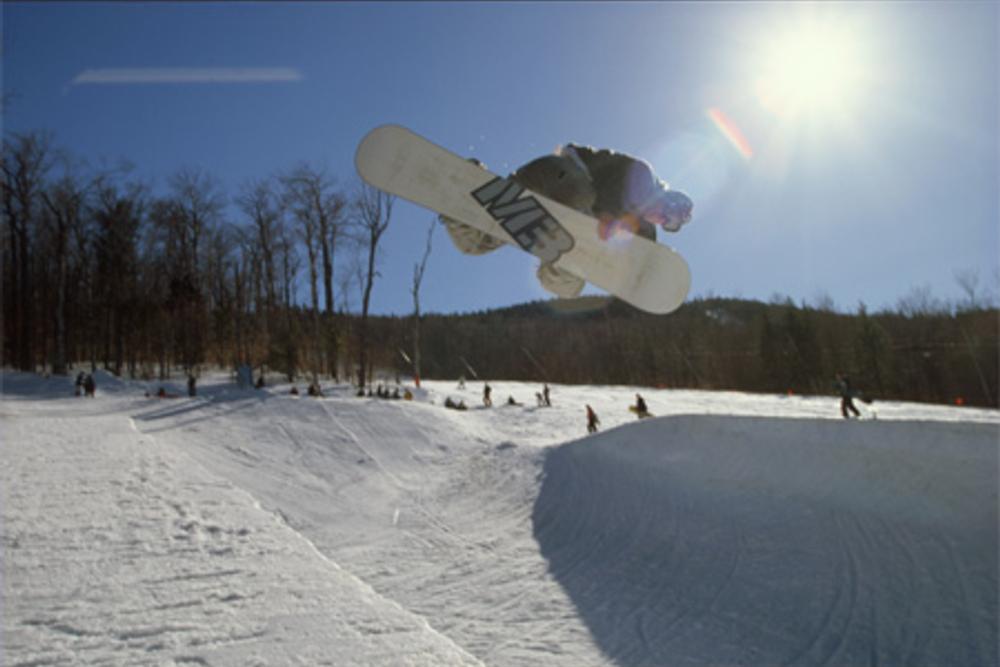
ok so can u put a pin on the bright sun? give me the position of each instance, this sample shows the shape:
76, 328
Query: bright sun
813, 69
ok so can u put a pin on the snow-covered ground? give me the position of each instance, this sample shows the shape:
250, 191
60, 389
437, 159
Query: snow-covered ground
258, 528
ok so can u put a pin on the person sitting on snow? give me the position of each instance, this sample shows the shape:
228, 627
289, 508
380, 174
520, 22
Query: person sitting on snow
621, 191
640, 407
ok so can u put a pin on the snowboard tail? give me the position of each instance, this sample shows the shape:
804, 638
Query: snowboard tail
649, 275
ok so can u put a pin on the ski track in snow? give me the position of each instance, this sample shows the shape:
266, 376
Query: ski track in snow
255, 528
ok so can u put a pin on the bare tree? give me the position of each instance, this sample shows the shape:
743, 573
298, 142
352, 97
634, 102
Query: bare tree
374, 211
312, 194
259, 202
920, 302
266, 259
289, 270
418, 278
968, 280
318, 207
193, 210
65, 202
308, 231
25, 162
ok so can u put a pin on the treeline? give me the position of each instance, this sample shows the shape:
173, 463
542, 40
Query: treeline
941, 354
100, 270
97, 268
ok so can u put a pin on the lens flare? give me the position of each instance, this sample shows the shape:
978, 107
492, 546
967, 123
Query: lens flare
730, 131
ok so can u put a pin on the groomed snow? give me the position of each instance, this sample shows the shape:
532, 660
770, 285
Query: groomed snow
258, 528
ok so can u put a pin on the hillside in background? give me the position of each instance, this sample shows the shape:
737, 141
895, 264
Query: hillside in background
715, 343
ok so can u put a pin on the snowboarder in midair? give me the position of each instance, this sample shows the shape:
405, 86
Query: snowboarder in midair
843, 385
621, 191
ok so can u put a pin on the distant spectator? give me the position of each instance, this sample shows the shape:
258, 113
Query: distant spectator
539, 399
592, 420
460, 405
545, 395
79, 383
192, 386
260, 382
314, 390
847, 407
640, 407
294, 391
89, 386
487, 390
511, 401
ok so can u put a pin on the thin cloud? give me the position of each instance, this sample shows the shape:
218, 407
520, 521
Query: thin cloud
187, 75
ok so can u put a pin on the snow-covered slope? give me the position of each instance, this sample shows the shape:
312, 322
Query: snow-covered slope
742, 540
246, 527
120, 549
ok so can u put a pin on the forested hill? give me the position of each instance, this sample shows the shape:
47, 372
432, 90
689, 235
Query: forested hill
718, 343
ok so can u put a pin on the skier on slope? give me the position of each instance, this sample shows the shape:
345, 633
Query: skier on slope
621, 191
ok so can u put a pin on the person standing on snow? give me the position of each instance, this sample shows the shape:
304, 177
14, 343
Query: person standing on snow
621, 191
846, 392
592, 420
487, 390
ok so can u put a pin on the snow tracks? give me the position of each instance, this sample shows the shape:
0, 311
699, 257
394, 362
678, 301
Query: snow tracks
118, 549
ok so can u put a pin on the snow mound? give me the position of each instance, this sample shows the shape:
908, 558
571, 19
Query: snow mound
698, 540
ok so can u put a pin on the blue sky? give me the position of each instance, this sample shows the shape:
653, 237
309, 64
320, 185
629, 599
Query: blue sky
868, 165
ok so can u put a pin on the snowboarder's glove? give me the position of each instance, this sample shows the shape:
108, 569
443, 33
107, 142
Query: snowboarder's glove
671, 211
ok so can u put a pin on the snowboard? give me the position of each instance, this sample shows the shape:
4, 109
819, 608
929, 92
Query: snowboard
649, 275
